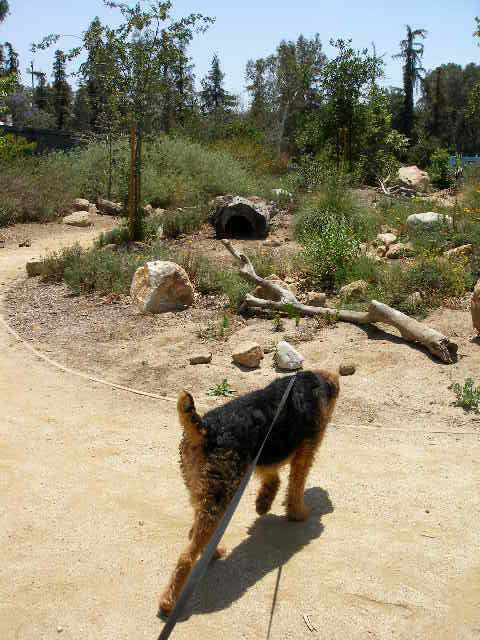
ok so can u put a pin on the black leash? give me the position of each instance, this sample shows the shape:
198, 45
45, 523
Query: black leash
201, 566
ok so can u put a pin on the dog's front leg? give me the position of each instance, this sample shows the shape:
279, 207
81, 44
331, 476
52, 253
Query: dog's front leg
299, 468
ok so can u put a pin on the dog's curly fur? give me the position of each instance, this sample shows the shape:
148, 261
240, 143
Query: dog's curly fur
216, 451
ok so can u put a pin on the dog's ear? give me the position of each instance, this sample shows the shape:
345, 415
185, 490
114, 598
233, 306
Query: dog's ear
189, 418
333, 383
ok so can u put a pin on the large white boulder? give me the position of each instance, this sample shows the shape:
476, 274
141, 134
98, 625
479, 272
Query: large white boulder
413, 178
161, 286
81, 204
424, 221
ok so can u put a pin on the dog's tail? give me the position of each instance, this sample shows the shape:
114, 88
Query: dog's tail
190, 420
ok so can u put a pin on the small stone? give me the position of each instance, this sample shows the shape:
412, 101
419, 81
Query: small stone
399, 250
35, 268
78, 219
201, 358
80, 204
59, 629
353, 289
464, 250
272, 243
414, 299
160, 233
347, 368
381, 251
386, 239
25, 243
316, 299
109, 247
249, 355
287, 358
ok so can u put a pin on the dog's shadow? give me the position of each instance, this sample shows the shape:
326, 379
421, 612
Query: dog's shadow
272, 540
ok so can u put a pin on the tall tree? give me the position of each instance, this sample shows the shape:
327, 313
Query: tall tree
411, 52
3, 10
284, 85
61, 90
215, 98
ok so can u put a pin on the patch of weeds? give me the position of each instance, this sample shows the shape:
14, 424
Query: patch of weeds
176, 223
223, 389
361, 268
328, 320
6, 217
277, 320
118, 236
224, 325
468, 396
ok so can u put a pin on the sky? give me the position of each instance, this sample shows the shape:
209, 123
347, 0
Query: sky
254, 28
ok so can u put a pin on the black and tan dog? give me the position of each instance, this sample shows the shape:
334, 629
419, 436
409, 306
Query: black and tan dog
216, 450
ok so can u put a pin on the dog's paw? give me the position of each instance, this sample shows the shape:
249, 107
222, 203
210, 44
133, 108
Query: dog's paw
299, 514
263, 504
220, 552
165, 606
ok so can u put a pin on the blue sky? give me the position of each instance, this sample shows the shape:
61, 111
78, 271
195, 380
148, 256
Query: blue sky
253, 29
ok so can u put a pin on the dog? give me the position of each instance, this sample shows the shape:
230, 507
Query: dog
217, 449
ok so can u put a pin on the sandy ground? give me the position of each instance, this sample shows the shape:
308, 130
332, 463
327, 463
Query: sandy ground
94, 512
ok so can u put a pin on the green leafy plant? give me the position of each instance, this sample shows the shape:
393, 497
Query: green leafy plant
468, 396
222, 389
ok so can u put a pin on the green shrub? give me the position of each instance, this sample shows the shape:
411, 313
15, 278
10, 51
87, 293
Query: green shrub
175, 223
439, 168
468, 396
14, 148
118, 235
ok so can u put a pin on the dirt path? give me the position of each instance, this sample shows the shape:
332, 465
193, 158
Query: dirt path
93, 515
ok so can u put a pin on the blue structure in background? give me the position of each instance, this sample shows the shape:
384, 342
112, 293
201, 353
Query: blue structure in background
463, 160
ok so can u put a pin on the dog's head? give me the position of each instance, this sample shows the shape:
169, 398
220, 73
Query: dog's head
327, 392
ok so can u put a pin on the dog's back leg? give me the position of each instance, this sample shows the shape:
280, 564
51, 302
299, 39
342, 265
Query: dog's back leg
268, 489
299, 467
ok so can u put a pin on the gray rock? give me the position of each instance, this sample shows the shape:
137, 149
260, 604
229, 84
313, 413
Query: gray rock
109, 208
316, 299
80, 204
248, 354
381, 251
347, 368
109, 247
201, 358
161, 286
420, 221
35, 268
413, 178
386, 239
353, 288
78, 219
399, 250
287, 358
464, 250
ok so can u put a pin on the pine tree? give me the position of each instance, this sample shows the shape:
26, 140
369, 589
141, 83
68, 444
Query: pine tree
411, 52
61, 90
215, 99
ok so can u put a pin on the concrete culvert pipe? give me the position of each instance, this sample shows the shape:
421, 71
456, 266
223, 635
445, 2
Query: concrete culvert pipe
241, 217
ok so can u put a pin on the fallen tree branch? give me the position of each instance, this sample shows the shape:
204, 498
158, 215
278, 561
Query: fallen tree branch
410, 329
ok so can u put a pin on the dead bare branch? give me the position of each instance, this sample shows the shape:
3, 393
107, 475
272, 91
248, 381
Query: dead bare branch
410, 329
